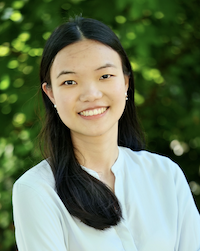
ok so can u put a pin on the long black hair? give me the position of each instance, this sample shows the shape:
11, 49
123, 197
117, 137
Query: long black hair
84, 196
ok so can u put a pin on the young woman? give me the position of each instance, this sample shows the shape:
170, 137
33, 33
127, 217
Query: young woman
97, 189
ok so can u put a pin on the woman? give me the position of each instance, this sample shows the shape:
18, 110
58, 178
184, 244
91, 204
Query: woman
97, 189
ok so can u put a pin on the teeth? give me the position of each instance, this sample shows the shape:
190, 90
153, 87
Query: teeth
93, 112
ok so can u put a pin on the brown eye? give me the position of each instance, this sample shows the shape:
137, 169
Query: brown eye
105, 76
70, 82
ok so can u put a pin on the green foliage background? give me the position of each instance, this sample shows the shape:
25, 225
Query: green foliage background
162, 39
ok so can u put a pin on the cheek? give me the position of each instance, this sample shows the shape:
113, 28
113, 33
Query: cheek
63, 97
119, 90
64, 102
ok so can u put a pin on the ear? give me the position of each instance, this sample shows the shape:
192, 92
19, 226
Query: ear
126, 78
49, 92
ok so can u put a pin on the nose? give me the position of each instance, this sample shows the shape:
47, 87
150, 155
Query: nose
90, 93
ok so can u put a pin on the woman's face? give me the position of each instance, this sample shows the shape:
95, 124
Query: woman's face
88, 88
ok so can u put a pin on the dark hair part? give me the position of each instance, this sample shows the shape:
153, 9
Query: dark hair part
83, 195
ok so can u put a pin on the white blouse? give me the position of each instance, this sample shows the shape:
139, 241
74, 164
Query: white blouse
157, 206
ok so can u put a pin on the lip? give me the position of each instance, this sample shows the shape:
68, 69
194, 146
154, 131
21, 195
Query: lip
94, 116
92, 108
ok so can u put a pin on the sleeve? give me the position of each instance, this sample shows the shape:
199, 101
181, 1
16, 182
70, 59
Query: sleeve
188, 231
36, 219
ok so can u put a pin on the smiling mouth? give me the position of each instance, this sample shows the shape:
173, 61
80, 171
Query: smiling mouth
93, 112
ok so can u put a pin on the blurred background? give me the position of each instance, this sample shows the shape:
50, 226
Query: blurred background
162, 39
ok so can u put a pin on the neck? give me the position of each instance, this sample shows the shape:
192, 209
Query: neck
96, 153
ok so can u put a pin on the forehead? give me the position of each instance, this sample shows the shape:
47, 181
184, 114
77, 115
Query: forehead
85, 53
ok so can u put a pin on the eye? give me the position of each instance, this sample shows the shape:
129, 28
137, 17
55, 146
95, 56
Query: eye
105, 76
70, 82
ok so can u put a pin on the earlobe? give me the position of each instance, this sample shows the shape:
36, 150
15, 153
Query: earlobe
126, 78
49, 92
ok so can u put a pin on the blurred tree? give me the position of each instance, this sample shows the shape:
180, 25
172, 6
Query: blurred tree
162, 40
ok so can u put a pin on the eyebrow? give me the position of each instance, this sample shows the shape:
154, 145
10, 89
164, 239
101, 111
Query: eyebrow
106, 66
101, 67
65, 72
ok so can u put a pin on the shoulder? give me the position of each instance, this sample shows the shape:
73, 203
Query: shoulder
153, 164
146, 158
38, 178
159, 171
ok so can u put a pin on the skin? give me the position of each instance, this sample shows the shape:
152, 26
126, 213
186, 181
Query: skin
85, 76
